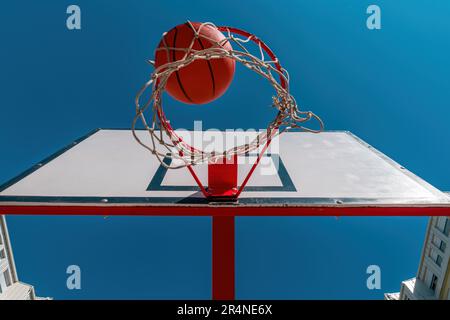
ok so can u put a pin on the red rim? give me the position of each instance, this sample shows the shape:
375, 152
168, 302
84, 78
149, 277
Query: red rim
255, 39
177, 139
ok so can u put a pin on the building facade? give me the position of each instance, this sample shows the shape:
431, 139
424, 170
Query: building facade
433, 277
10, 286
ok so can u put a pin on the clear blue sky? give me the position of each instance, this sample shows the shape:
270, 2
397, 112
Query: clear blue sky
390, 87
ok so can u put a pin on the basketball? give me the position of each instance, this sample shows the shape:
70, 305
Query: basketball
201, 81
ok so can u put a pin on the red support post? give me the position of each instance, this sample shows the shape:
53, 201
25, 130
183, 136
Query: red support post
223, 258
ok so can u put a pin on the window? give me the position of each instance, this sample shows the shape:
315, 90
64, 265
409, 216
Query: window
439, 260
7, 278
2, 254
447, 227
433, 283
442, 246
1, 240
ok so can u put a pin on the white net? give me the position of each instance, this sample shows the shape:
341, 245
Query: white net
288, 117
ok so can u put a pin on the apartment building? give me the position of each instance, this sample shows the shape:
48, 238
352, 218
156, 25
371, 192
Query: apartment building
10, 286
433, 277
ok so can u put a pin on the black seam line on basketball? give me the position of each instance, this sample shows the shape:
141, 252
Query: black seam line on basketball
210, 69
176, 72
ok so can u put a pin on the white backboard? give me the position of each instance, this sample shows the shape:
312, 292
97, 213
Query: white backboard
330, 169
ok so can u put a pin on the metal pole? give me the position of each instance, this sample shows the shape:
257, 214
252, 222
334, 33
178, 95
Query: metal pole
223, 258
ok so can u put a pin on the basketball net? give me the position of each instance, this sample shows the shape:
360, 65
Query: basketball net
288, 117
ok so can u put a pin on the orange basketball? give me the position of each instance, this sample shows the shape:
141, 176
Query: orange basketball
201, 81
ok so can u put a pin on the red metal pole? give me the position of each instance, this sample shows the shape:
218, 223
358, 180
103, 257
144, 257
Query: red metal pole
223, 258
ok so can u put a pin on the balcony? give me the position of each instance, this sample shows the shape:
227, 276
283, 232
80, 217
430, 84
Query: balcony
440, 234
418, 290
3, 264
18, 291
392, 296
431, 264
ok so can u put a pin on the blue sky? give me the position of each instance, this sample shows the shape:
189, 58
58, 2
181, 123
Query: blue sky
390, 87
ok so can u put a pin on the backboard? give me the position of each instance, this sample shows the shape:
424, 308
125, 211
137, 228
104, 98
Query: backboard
330, 173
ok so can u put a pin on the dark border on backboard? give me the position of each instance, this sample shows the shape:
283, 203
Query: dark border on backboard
286, 182
42, 163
